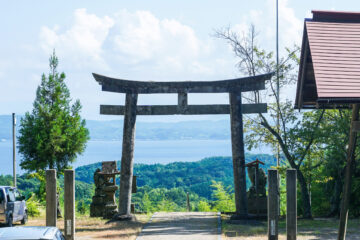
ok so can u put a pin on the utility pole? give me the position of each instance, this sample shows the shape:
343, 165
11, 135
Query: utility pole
277, 93
14, 147
277, 81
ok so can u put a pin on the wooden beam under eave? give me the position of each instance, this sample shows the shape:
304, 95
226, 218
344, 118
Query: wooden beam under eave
303, 71
189, 110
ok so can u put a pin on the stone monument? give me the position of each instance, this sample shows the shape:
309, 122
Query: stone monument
103, 202
257, 200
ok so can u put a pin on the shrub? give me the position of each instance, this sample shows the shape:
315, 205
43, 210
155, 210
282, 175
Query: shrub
33, 206
81, 207
204, 207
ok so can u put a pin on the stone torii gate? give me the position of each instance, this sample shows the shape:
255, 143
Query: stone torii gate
232, 86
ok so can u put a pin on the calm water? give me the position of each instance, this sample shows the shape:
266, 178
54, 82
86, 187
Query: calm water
145, 152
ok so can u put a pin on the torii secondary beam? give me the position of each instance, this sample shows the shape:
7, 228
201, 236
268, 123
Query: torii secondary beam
186, 110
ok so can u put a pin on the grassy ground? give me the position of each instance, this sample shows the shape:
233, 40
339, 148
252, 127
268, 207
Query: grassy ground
322, 229
95, 228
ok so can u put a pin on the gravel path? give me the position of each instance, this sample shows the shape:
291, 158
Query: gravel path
182, 225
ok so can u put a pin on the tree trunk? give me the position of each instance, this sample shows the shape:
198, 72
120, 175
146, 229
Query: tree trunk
305, 197
335, 199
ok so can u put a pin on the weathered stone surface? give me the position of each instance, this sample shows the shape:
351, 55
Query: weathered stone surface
69, 204
128, 86
261, 182
257, 200
127, 158
183, 110
273, 204
132, 88
238, 154
103, 203
51, 199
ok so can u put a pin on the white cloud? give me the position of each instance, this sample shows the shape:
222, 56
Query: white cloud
132, 45
82, 42
290, 24
290, 27
140, 37
129, 39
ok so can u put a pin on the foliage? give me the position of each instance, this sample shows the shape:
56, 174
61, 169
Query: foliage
53, 134
204, 206
33, 206
283, 126
147, 205
150, 198
41, 190
81, 207
224, 198
6, 180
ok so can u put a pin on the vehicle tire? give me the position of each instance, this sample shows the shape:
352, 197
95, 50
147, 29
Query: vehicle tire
10, 221
25, 218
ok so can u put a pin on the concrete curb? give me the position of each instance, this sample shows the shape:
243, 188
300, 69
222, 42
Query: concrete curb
146, 225
219, 225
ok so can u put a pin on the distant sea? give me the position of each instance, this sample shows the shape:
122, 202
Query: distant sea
147, 152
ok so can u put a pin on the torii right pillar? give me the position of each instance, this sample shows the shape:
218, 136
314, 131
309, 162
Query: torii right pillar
238, 155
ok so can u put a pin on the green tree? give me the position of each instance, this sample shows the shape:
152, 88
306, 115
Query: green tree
326, 182
204, 206
224, 199
53, 134
295, 134
147, 204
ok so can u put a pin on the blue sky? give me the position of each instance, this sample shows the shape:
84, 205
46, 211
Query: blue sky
143, 40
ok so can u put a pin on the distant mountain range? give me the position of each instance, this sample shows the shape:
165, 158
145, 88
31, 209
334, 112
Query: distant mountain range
112, 130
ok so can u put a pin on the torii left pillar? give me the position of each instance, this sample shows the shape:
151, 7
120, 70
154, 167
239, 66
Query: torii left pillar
127, 158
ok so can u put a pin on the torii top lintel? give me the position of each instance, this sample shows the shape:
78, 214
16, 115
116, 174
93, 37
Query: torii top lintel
252, 83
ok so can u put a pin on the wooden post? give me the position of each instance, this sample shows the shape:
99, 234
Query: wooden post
348, 172
238, 155
127, 158
14, 148
134, 185
273, 197
182, 101
51, 203
256, 188
187, 202
291, 215
69, 204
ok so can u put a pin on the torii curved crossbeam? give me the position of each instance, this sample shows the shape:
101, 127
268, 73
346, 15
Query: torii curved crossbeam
252, 83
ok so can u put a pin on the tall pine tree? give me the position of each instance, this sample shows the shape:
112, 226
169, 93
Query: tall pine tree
53, 134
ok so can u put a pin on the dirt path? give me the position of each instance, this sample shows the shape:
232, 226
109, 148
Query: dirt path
182, 225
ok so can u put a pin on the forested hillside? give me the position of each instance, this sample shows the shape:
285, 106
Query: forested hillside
191, 176
209, 183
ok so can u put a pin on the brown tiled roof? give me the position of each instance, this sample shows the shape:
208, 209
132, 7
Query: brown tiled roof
329, 71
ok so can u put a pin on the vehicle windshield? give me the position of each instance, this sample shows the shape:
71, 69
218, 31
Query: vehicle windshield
11, 195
